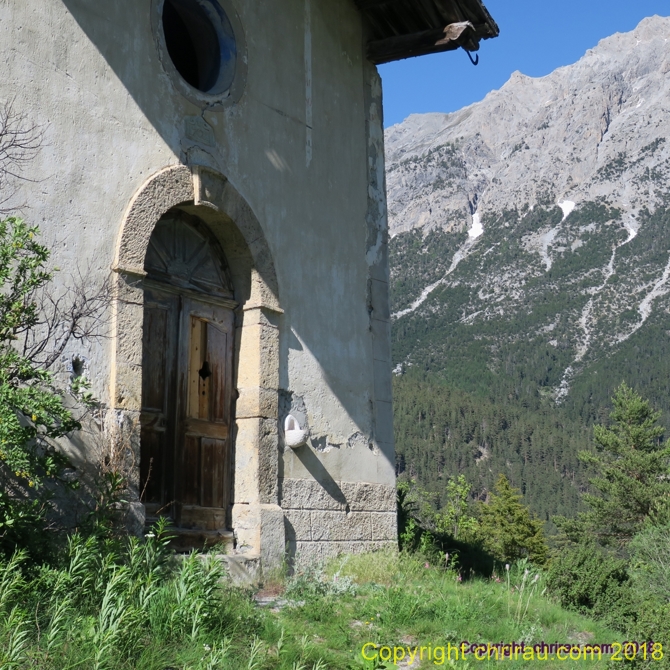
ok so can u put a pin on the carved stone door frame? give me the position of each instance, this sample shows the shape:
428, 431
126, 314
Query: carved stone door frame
257, 518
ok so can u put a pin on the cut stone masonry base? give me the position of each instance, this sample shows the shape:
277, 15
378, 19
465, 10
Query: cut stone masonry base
324, 520
319, 526
314, 552
309, 494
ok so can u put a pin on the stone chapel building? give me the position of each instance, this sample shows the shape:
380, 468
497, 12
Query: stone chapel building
223, 162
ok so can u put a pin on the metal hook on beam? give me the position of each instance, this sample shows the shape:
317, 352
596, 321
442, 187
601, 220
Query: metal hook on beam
474, 60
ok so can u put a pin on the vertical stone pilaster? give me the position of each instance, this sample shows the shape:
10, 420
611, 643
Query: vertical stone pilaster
123, 421
128, 315
256, 498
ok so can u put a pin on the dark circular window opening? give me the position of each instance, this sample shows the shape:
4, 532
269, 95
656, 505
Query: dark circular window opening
200, 43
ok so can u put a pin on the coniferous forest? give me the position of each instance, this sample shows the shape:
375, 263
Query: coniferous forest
478, 396
442, 432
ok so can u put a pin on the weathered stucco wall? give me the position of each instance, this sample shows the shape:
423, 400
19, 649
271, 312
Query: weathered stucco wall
302, 147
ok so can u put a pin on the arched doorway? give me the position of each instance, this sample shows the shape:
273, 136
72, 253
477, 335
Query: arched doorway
256, 517
187, 381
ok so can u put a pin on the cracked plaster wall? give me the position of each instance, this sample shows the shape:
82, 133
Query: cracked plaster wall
336, 513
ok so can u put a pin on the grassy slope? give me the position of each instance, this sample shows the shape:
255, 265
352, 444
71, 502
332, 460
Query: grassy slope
325, 620
402, 602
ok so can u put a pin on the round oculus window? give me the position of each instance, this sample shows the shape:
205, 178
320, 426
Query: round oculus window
201, 44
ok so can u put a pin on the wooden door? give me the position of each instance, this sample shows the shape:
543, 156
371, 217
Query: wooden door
187, 376
204, 411
158, 417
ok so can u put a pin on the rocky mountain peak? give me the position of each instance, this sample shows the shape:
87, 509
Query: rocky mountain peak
531, 230
559, 137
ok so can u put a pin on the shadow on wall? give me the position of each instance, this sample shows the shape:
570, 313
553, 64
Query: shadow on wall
314, 466
321, 475
122, 33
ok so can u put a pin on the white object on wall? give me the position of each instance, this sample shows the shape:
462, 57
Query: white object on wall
294, 435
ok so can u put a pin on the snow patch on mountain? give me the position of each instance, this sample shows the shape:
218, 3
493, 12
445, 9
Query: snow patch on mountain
477, 229
567, 206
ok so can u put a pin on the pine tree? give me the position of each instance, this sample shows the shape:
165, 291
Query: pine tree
507, 529
633, 469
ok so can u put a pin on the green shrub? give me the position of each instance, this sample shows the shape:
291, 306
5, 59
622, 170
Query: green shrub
32, 412
653, 624
586, 579
650, 580
450, 537
650, 564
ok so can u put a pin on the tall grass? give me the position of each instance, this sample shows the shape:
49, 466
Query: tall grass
134, 605
111, 606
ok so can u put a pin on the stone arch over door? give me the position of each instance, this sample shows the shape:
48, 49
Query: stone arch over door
257, 519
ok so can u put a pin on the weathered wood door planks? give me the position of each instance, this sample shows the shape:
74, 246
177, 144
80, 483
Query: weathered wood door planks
187, 378
159, 358
204, 409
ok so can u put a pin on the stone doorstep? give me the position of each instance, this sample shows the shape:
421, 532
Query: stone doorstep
186, 539
241, 569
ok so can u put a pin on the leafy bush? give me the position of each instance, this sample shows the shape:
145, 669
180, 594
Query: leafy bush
652, 623
650, 564
503, 530
32, 411
31, 408
650, 580
588, 580
418, 507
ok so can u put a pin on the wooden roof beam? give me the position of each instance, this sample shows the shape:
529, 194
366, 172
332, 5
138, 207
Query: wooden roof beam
365, 5
425, 42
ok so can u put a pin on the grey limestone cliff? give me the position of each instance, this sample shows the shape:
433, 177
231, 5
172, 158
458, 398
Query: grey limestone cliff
534, 225
586, 131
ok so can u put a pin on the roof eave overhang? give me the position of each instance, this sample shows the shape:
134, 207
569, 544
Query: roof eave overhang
400, 29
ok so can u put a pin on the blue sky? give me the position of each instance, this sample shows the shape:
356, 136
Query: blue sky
536, 37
